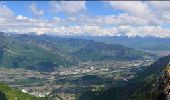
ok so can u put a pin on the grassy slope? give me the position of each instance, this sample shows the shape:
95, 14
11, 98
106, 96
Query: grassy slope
11, 94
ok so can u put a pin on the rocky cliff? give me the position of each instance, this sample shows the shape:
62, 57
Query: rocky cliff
163, 84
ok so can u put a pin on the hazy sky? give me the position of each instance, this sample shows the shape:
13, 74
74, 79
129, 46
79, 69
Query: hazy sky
131, 18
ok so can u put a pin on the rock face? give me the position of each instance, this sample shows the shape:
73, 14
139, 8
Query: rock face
164, 84
156, 82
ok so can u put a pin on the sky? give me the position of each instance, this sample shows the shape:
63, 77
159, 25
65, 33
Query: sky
82, 18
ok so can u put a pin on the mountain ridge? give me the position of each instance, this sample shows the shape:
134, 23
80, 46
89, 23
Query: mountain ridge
33, 51
138, 42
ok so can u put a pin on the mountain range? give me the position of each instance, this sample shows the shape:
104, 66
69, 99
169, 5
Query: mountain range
138, 42
45, 53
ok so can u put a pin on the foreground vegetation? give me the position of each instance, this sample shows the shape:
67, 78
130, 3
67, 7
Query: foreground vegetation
7, 93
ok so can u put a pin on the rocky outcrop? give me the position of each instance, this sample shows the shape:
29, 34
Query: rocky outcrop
163, 84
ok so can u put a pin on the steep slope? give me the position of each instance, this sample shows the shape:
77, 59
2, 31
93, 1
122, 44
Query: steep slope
7, 93
163, 84
18, 54
155, 85
151, 84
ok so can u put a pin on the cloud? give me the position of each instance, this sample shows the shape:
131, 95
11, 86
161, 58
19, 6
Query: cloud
142, 21
53, 28
68, 7
161, 5
114, 20
21, 17
21, 24
5, 12
137, 8
156, 31
121, 19
33, 8
161, 9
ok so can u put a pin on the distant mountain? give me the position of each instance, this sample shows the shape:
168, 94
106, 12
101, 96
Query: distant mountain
7, 93
84, 50
44, 53
151, 84
144, 43
15, 54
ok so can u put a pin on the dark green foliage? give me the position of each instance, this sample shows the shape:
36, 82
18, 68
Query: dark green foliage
15, 64
46, 66
89, 80
1, 53
145, 87
2, 96
90, 95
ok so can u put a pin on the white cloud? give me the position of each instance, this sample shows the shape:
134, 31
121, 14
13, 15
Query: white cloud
68, 7
161, 9
119, 30
57, 26
5, 12
120, 19
33, 8
161, 5
21, 17
137, 8
138, 18
156, 31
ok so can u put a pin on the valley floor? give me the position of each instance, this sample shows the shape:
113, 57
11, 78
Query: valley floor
69, 83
